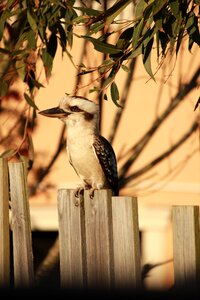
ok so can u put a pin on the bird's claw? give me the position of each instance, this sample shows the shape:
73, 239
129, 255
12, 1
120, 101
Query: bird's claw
78, 192
91, 193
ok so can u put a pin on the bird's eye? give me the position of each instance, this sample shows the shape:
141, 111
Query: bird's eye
75, 109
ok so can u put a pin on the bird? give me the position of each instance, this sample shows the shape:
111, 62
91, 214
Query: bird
89, 153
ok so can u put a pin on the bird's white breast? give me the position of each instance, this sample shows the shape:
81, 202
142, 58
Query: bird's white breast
82, 156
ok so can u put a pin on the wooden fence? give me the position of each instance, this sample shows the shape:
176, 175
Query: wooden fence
98, 238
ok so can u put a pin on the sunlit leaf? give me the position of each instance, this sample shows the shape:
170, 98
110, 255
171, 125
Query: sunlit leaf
30, 101
137, 33
115, 10
5, 15
140, 8
125, 68
107, 81
146, 51
89, 11
3, 88
21, 68
103, 47
174, 5
158, 5
115, 94
32, 21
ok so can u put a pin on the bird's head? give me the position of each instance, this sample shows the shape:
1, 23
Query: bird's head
72, 108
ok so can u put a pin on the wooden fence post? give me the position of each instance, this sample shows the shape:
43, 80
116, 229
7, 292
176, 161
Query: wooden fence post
21, 227
99, 243
71, 239
127, 259
99, 240
4, 225
186, 245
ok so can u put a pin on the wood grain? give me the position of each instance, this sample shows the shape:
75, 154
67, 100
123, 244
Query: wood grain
21, 226
71, 239
99, 245
4, 225
127, 265
186, 244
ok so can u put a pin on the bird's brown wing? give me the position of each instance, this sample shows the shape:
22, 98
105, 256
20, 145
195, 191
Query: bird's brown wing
107, 159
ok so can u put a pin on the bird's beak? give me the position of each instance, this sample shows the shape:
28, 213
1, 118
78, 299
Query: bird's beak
55, 112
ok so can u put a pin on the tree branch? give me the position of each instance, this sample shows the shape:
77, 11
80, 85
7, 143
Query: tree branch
137, 149
124, 97
161, 157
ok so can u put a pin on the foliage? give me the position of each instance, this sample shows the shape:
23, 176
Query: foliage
33, 29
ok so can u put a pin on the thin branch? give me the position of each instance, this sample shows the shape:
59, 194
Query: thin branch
46, 171
137, 149
124, 97
161, 157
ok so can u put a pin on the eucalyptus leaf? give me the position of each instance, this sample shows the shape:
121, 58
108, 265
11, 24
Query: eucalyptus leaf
32, 20
115, 94
115, 10
146, 57
30, 101
103, 47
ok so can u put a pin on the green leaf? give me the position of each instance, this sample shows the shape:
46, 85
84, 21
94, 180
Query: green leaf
137, 33
63, 37
140, 8
174, 5
30, 101
31, 39
89, 11
135, 53
47, 61
52, 45
96, 27
32, 20
4, 17
146, 51
115, 10
193, 30
107, 82
125, 39
94, 89
158, 5
125, 68
115, 94
3, 88
21, 68
102, 47
80, 19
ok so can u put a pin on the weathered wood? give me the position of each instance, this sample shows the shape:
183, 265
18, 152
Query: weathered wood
186, 245
21, 226
127, 264
71, 239
4, 225
99, 246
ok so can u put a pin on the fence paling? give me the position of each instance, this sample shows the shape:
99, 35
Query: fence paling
71, 239
186, 243
126, 242
99, 242
4, 225
109, 235
21, 226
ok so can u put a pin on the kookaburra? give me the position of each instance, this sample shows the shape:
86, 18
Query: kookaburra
90, 154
